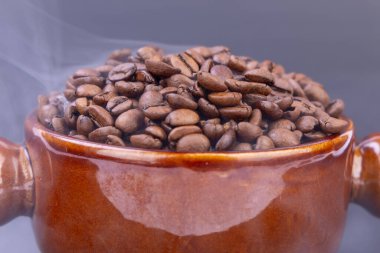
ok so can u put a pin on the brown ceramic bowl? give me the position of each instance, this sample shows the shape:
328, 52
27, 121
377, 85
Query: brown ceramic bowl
89, 197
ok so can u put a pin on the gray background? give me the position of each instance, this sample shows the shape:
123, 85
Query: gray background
335, 42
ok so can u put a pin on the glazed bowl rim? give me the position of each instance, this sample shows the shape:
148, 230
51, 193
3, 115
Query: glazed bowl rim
85, 148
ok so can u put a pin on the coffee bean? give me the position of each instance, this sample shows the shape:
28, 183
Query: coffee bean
156, 132
264, 142
297, 90
237, 63
221, 71
221, 58
283, 85
144, 76
149, 52
177, 63
248, 132
213, 131
335, 108
181, 131
118, 105
253, 99
130, 89
59, 125
85, 72
168, 90
115, 141
317, 93
209, 110
206, 66
182, 117
159, 68
306, 123
266, 65
94, 80
120, 54
178, 101
157, 112
282, 123
130, 121
84, 125
101, 134
122, 72
46, 113
282, 137
145, 141
242, 147
112, 62
190, 62
315, 135
211, 82
256, 117
241, 112
219, 49
248, 87
193, 143
283, 102
177, 80
153, 87
260, 76
333, 125
110, 87
103, 98
82, 105
100, 116
271, 109
150, 98
226, 141
88, 90
196, 56
71, 115
230, 125
293, 114
225, 98
205, 52
197, 90
252, 64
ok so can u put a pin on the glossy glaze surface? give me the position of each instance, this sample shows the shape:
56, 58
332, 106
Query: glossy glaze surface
96, 198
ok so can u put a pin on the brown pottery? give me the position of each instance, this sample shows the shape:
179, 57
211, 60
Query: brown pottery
90, 197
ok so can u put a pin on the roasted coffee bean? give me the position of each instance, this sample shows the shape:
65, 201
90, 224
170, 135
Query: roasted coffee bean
248, 132
267, 65
82, 105
118, 105
271, 109
103, 98
101, 134
225, 98
207, 65
316, 93
292, 115
110, 87
70, 94
177, 63
242, 147
252, 64
168, 90
182, 117
260, 76
85, 72
177, 80
210, 121
282, 137
193, 143
178, 101
253, 99
221, 71
306, 124
335, 108
59, 125
248, 87
94, 80
226, 141
211, 82
88, 90
149, 99
115, 141
196, 56
213, 131
152, 87
46, 113
149, 52
130, 89
196, 90
282, 123
144, 76
264, 142
190, 62
315, 135
120, 54
71, 115
205, 52
156, 132
333, 125
122, 72
241, 112
181, 131
84, 125
145, 141
209, 110
283, 102
159, 68
237, 63
221, 58
230, 125
130, 121
297, 90
282, 84
256, 117
157, 112
100, 116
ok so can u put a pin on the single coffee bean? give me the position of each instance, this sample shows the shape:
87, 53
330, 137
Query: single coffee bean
179, 132
149, 52
267, 65
84, 125
252, 64
156, 132
118, 105
196, 56
248, 87
70, 94
226, 141
178, 101
283, 85
225, 98
59, 125
237, 63
88, 90
150, 98
260, 76
46, 113
242, 147
292, 115
103, 98
177, 63
182, 117
82, 105
190, 62
100, 116
145, 141
315, 135
241, 112
162, 69
317, 93
120, 54
130, 89
197, 90
335, 108
110, 87
130, 121
153, 87
248, 132
332, 125
297, 90
115, 141
71, 115
157, 112
100, 134
253, 99
168, 90
84, 72
211, 82
193, 143
282, 123
219, 49
177, 80
144, 76
271, 109
221, 58
209, 110
306, 123
207, 65
283, 102
282, 137
221, 71
122, 72
256, 117
214, 131
264, 142
205, 52
94, 80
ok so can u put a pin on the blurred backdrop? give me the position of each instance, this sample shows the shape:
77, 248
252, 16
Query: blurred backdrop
335, 42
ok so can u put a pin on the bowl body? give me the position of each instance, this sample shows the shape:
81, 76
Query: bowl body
96, 198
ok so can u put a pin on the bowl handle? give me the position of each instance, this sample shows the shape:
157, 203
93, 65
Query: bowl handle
366, 174
16, 182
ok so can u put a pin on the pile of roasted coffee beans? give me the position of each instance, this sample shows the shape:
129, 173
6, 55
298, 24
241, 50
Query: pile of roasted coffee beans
203, 99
